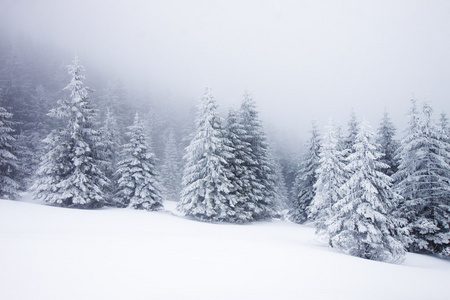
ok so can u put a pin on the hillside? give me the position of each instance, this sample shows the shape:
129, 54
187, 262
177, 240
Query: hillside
57, 253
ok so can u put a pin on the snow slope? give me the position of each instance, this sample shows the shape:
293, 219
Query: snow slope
57, 253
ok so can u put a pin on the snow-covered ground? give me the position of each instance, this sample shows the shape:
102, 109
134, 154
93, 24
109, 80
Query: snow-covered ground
57, 253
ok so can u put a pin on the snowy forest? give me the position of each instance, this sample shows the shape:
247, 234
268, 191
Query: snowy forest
370, 192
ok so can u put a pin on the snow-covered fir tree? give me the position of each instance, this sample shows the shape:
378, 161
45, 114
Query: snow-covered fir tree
206, 179
138, 185
241, 174
444, 129
352, 132
303, 189
69, 174
9, 185
388, 145
109, 150
261, 193
406, 155
171, 169
361, 223
331, 175
33, 128
281, 191
423, 179
443, 124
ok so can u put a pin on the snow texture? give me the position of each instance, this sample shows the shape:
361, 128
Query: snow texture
114, 253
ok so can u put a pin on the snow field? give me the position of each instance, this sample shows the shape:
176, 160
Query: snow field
58, 253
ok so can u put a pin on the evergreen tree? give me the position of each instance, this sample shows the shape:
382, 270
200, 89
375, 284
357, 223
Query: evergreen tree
361, 223
423, 179
352, 132
171, 168
303, 192
69, 173
138, 185
443, 124
331, 175
388, 145
289, 162
406, 155
281, 191
109, 152
261, 188
9, 185
443, 130
29, 145
241, 174
206, 179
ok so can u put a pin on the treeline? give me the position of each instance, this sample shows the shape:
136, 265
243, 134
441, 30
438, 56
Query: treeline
370, 195
32, 80
86, 163
367, 194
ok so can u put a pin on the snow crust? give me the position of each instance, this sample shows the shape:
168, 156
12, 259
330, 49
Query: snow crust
59, 253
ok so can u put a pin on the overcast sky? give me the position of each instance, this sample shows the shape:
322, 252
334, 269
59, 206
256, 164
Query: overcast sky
301, 60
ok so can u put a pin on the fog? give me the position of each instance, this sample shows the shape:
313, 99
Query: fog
301, 60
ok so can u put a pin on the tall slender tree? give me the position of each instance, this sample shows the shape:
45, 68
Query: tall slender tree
443, 125
331, 175
171, 168
261, 190
138, 182
406, 155
241, 175
281, 191
361, 223
303, 190
109, 151
9, 185
206, 180
352, 132
388, 145
69, 174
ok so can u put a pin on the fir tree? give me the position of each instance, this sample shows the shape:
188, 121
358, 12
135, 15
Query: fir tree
352, 132
109, 151
388, 145
206, 180
423, 179
361, 224
69, 173
443, 125
241, 174
261, 186
9, 185
138, 185
171, 169
444, 133
281, 191
303, 191
29, 145
331, 175
406, 155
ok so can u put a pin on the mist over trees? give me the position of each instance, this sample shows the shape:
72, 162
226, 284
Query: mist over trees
367, 194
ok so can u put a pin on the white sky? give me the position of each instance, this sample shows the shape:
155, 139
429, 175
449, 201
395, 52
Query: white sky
302, 60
